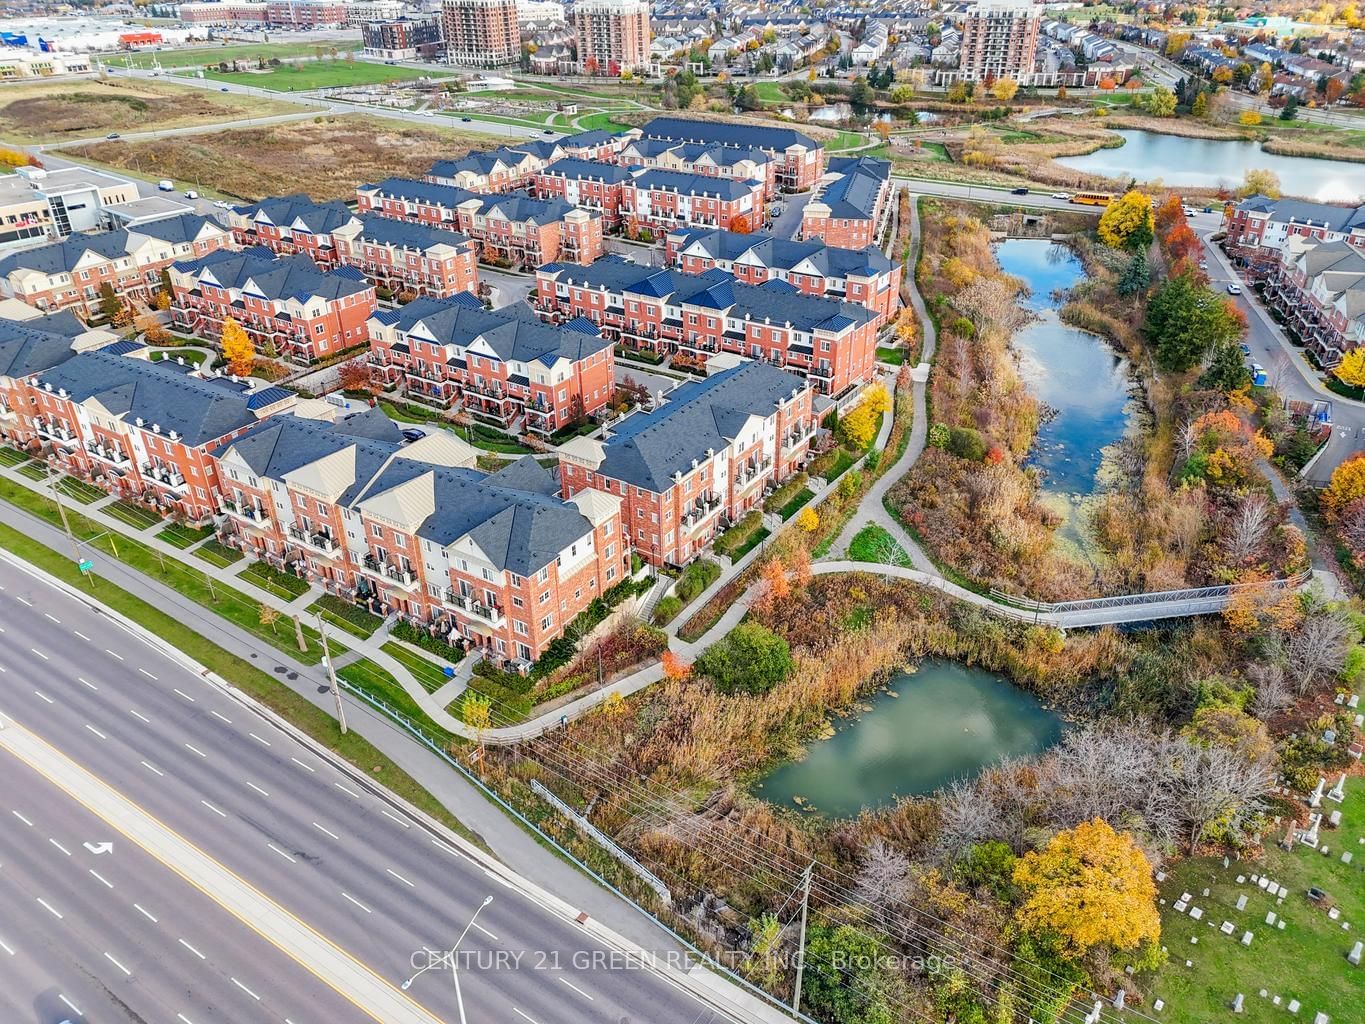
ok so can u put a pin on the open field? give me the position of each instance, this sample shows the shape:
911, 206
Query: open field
324, 74
207, 55
297, 156
54, 112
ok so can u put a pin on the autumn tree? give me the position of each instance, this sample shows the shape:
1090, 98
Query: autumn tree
1160, 102
1260, 182
238, 350
808, 520
1185, 318
1091, 886
1128, 222
1347, 485
354, 376
1200, 107
1004, 90
859, 427
110, 303
268, 615
1351, 370
674, 667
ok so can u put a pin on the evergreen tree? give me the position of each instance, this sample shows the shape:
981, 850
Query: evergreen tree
1227, 370
1136, 275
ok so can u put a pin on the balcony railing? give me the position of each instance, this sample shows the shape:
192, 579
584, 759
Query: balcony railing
54, 429
316, 540
164, 475
491, 614
393, 573
106, 453
243, 510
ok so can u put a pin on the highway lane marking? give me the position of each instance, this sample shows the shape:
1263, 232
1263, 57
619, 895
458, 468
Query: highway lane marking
185, 695
145, 913
215, 810
139, 717
486, 932
348, 896
40, 654
39, 693
49, 615
326, 831
22, 818
302, 765
400, 878
86, 682
394, 817
575, 988
50, 909
448, 849
523, 1016
349, 792
6, 947
118, 965
195, 750
24, 599
60, 847
96, 731
107, 883
74, 1008
82, 636
224, 718
118, 656
183, 1019
282, 853
258, 789
146, 673
156, 771
258, 739
196, 952
248, 991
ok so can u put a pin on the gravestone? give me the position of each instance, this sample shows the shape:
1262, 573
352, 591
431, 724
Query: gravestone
1338, 792
1180, 905
1334, 819
1196, 913
1161, 876
1280, 924
1354, 702
1226, 928
1333, 913
1246, 938
1353, 957
1262, 883
1270, 917
1237, 1003
1321, 1018
1186, 897
1293, 1006
1242, 902
1316, 797
1158, 1005
1119, 996
1206, 894
1241, 879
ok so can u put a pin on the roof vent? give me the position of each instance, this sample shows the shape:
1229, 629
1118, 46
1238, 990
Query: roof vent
179, 360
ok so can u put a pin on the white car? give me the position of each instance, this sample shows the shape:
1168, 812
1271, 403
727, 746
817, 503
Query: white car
191, 194
222, 204
1234, 289
1063, 196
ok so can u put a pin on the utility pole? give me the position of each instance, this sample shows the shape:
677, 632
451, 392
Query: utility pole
801, 938
66, 524
298, 632
331, 674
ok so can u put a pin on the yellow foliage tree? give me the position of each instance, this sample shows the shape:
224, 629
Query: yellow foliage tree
860, 425
1249, 118
1004, 89
1128, 222
877, 398
1092, 886
808, 520
1351, 370
1347, 484
238, 350
957, 272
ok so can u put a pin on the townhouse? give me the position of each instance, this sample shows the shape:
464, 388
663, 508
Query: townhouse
499, 170
402, 257
586, 184
799, 160
498, 562
693, 317
864, 276
503, 366
1319, 288
290, 308
658, 201
851, 203
144, 430
31, 342
70, 274
291, 224
1259, 227
740, 162
697, 463
597, 144
512, 229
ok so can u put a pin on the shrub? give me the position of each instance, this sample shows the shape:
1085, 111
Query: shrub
667, 610
750, 659
426, 640
966, 443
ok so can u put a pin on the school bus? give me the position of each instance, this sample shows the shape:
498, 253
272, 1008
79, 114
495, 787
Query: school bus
1093, 198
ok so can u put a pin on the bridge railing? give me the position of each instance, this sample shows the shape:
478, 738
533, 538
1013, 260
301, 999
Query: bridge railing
1155, 597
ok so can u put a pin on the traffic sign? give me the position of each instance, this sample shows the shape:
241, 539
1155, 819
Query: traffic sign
85, 565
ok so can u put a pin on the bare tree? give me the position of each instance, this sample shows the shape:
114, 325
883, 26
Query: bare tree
1186, 437
969, 815
989, 302
1319, 646
1273, 693
1249, 525
1279, 369
1217, 783
883, 883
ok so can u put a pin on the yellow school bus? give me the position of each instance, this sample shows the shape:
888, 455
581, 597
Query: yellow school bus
1093, 198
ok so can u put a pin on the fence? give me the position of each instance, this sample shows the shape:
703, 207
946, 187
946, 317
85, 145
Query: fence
1156, 597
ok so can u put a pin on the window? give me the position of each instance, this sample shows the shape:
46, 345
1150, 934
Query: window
377, 531
519, 628
547, 622
517, 602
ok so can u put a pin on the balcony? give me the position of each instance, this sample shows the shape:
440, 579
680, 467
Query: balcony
164, 475
798, 435
243, 510
491, 614
751, 471
53, 429
314, 540
107, 453
405, 578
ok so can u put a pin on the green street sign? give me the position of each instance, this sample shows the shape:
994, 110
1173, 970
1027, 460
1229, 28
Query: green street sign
85, 565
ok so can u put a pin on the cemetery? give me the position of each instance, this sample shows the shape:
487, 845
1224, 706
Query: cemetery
1272, 938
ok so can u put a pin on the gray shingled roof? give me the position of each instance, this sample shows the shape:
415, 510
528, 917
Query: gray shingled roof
1282, 211
727, 134
32, 346
288, 277
62, 257
785, 254
283, 211
515, 333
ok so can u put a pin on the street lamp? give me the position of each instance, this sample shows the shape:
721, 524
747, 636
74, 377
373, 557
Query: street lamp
454, 961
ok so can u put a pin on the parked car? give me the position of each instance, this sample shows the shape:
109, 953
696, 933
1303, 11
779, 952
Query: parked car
1020, 191
1190, 211
113, 135
191, 194
1063, 196
223, 88
549, 131
1234, 289
1246, 349
222, 204
413, 434
1203, 264
166, 185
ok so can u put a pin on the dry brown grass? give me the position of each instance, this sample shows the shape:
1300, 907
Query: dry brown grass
326, 157
57, 111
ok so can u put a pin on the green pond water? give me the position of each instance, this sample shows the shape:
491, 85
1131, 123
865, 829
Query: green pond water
947, 721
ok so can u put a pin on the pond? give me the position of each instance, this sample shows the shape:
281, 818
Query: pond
1076, 374
946, 721
1208, 163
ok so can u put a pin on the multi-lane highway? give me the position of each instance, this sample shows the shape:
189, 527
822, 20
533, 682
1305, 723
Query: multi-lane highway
235, 848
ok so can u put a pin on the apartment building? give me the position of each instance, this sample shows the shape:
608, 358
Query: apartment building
738, 162
864, 276
699, 461
38, 203
612, 35
69, 274
223, 12
30, 343
144, 430
598, 144
366, 12
287, 225
589, 185
404, 257
498, 562
1258, 228
513, 229
799, 159
481, 33
659, 201
504, 366
499, 170
850, 205
291, 309
999, 40
1319, 287
693, 317
403, 38
305, 14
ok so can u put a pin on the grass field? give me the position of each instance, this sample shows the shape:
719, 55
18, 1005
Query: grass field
425, 672
134, 515
874, 544
79, 490
12, 457
216, 553
182, 537
1304, 961
894, 356
203, 56
323, 74
366, 675
53, 112
346, 616
605, 120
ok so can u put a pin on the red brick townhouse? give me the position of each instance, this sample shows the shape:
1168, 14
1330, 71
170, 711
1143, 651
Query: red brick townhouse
799, 159
850, 205
1319, 287
289, 307
499, 170
660, 201
143, 430
586, 184
664, 311
1258, 227
499, 562
511, 228
865, 276
599, 144
409, 257
504, 365
69, 274
291, 224
709, 159
31, 342
699, 461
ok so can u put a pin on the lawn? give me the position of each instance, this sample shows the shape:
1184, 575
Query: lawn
894, 356
203, 56
366, 675
284, 585
181, 536
832, 464
426, 673
874, 544
190, 355
346, 615
34, 471
324, 74
788, 493
605, 121
739, 539
845, 140
79, 490
135, 516
12, 457
1304, 961
215, 552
